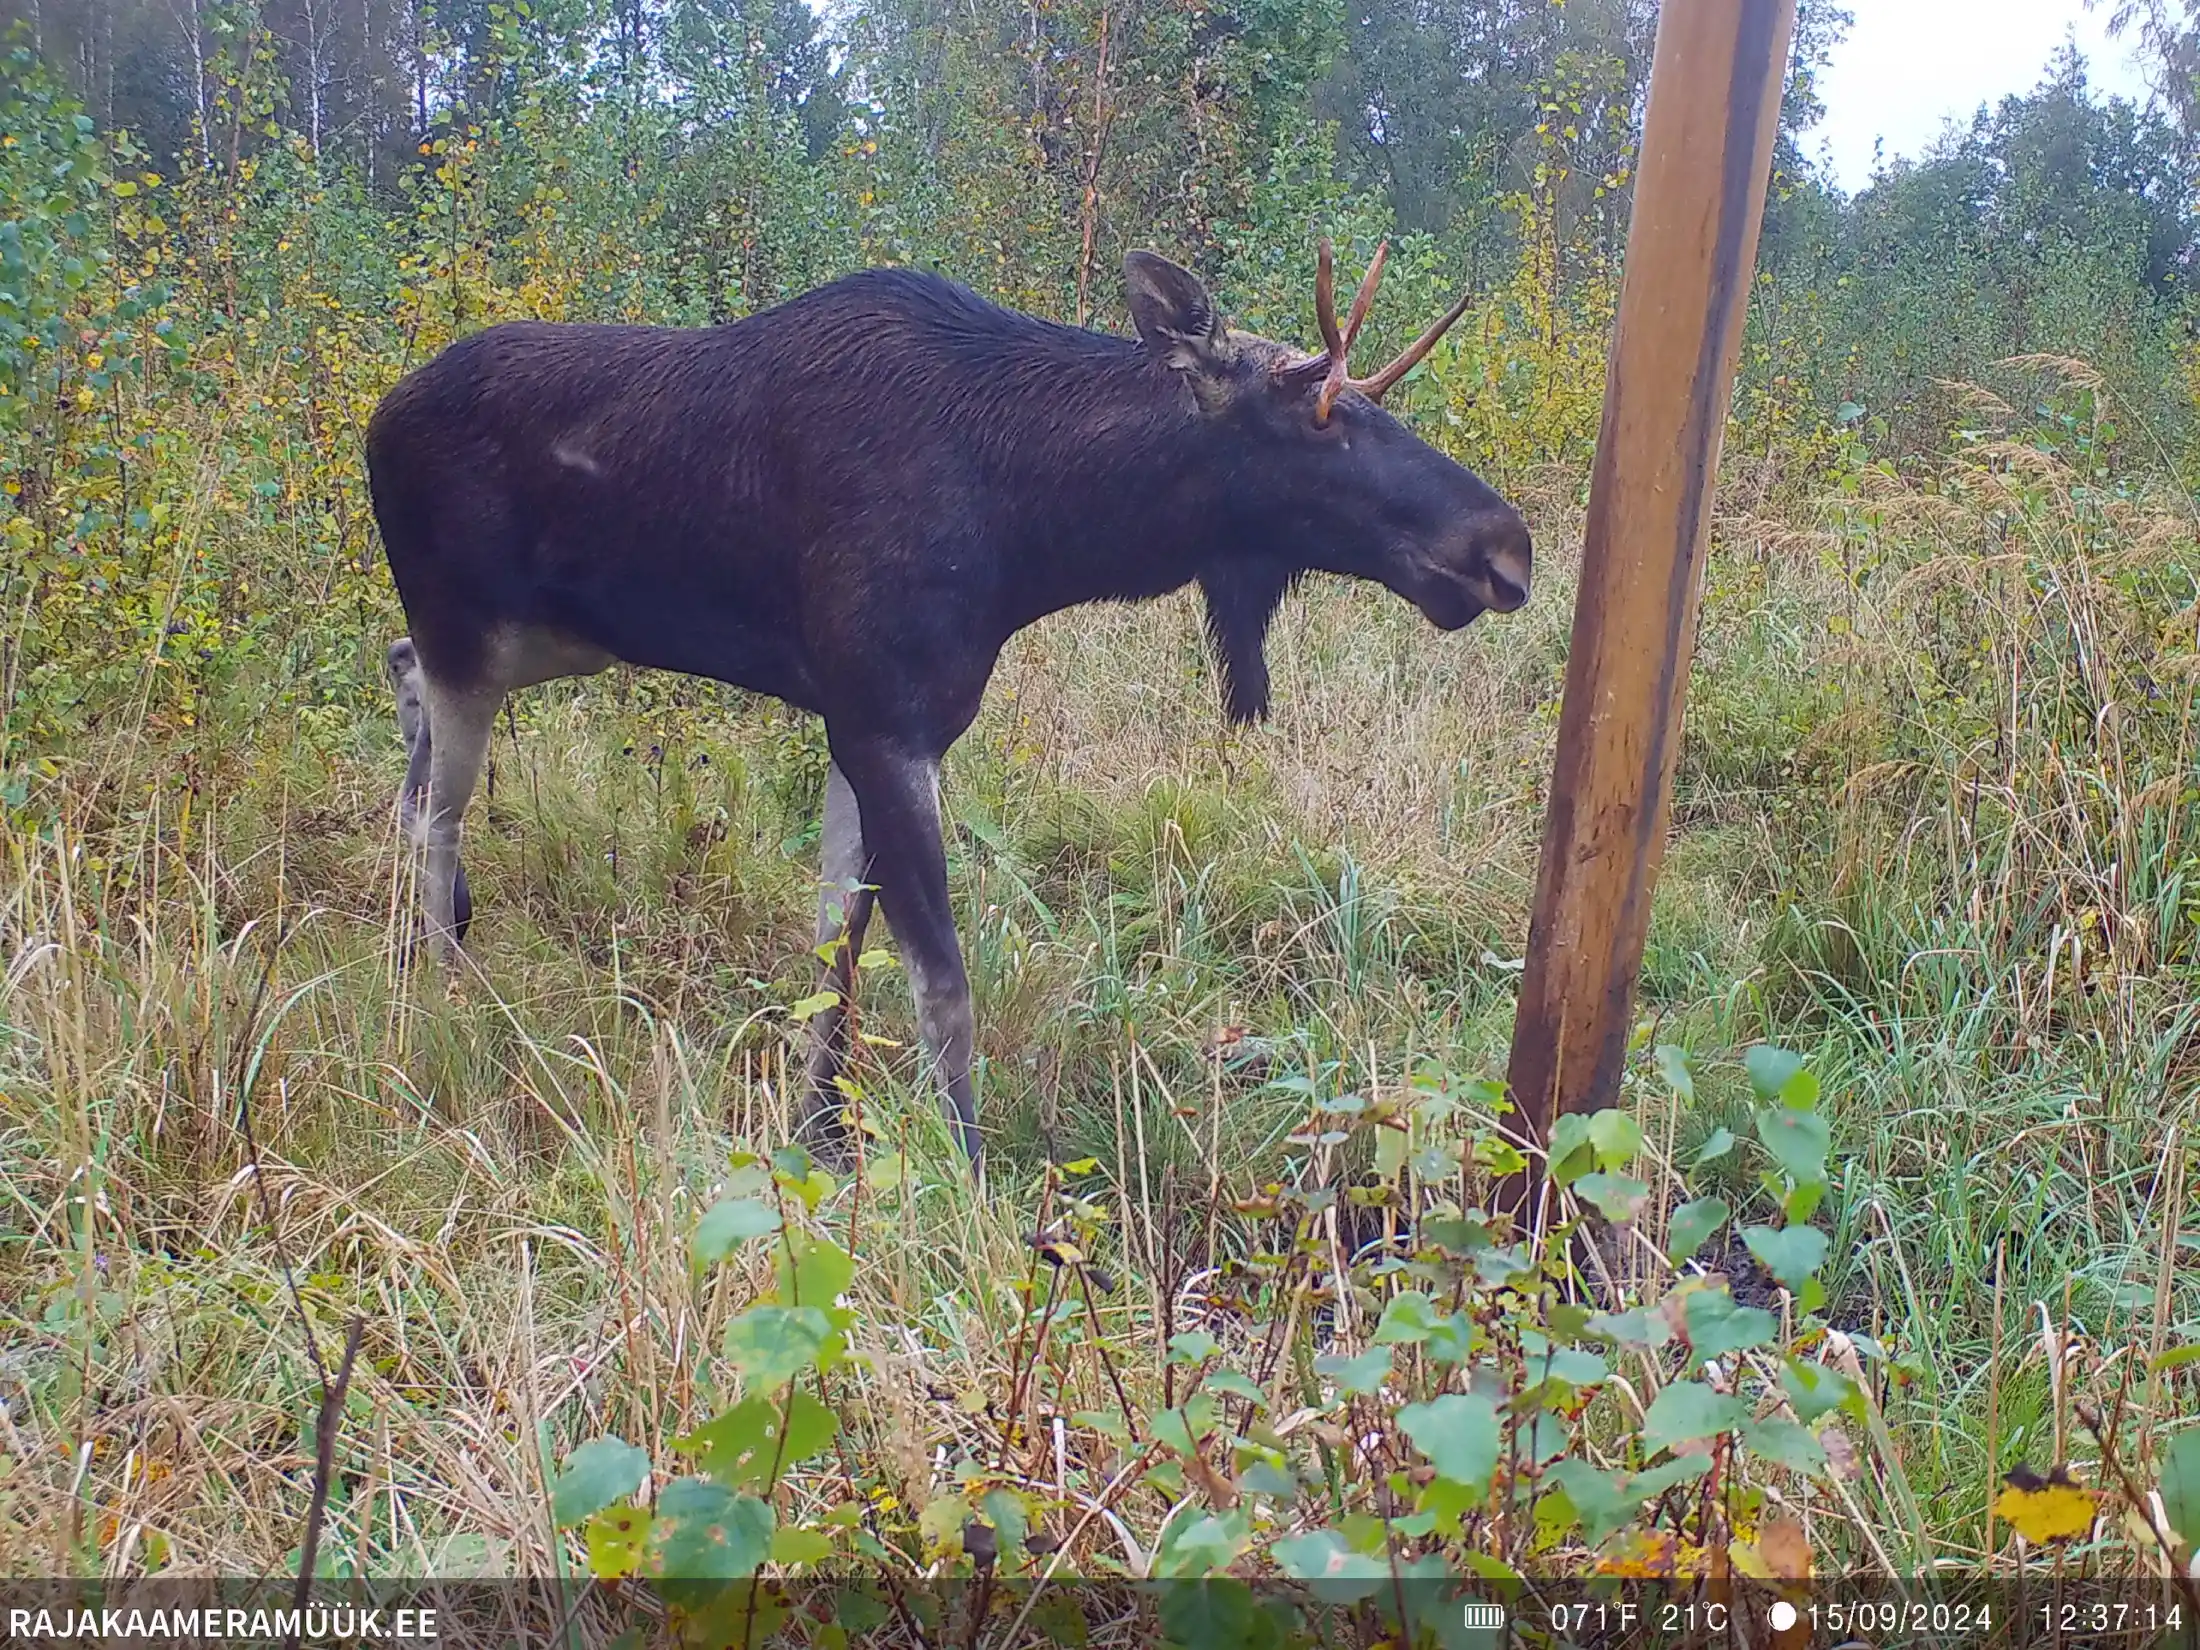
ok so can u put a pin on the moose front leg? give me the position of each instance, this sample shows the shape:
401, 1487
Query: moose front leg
842, 917
898, 796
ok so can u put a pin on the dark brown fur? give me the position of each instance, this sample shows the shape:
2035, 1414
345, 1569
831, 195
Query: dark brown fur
852, 501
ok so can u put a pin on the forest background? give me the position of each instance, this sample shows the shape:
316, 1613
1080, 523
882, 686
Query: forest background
1933, 826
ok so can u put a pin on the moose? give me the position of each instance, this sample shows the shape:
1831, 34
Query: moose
850, 502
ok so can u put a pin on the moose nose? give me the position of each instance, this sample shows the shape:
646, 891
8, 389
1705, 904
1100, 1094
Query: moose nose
1507, 557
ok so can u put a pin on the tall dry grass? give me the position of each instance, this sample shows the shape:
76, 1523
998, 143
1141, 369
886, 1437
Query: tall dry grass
1932, 826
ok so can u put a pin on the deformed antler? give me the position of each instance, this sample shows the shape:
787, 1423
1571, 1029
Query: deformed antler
1337, 346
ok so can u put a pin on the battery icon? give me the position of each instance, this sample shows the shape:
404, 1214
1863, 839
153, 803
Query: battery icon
1488, 1617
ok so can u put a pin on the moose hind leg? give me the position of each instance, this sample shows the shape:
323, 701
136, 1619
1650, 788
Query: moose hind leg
410, 685
460, 723
842, 918
412, 726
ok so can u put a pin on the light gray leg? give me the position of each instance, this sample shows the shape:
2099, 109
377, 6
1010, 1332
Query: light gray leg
446, 732
841, 917
403, 663
462, 723
412, 726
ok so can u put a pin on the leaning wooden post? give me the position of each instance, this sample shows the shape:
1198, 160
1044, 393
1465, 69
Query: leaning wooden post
1714, 107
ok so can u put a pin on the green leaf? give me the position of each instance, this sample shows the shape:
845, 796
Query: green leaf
1770, 1069
1230, 1384
1800, 1093
1618, 1198
1005, 1510
1597, 1499
1784, 1444
1464, 1238
1576, 1368
1798, 1141
813, 1271
1266, 1472
1200, 1546
810, 1007
941, 1523
2181, 1490
1390, 1154
771, 1345
1791, 1253
707, 1533
1360, 1376
1174, 1428
795, 1545
1407, 1320
1339, 1575
1720, 1143
1214, 1615
1633, 1327
1802, 1202
1717, 1326
1451, 1340
1693, 1226
1057, 1618
1191, 1347
1458, 1433
1571, 1153
738, 1448
729, 1222
1103, 1421
1814, 1389
1673, 1067
1687, 1411
1615, 1137
1682, 1469
601, 1471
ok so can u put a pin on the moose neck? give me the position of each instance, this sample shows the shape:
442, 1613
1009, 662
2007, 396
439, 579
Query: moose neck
1112, 493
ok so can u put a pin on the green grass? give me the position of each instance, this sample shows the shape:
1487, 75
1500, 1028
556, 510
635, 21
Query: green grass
499, 1172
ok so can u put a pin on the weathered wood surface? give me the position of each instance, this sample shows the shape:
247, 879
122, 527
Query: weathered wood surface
1714, 105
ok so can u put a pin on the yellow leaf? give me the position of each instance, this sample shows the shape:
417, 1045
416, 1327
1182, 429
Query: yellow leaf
615, 1536
1786, 1549
2045, 1510
1747, 1561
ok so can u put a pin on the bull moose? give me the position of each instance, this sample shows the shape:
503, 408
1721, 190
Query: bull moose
850, 502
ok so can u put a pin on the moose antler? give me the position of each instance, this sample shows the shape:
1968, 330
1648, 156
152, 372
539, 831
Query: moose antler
1337, 346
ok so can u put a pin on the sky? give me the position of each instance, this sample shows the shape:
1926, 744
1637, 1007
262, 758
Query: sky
1910, 65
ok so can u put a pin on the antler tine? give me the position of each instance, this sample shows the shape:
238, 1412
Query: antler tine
1374, 387
1325, 303
1332, 387
1364, 299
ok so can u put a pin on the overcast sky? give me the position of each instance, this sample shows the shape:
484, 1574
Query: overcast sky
1909, 65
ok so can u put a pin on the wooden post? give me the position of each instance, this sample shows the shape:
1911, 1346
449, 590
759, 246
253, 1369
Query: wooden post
1714, 108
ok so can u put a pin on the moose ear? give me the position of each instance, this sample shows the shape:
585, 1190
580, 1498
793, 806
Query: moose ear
1175, 316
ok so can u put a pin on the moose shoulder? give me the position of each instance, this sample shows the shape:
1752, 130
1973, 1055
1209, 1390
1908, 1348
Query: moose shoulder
851, 502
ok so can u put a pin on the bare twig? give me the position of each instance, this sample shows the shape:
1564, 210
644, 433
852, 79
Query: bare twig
333, 1391
324, 1467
